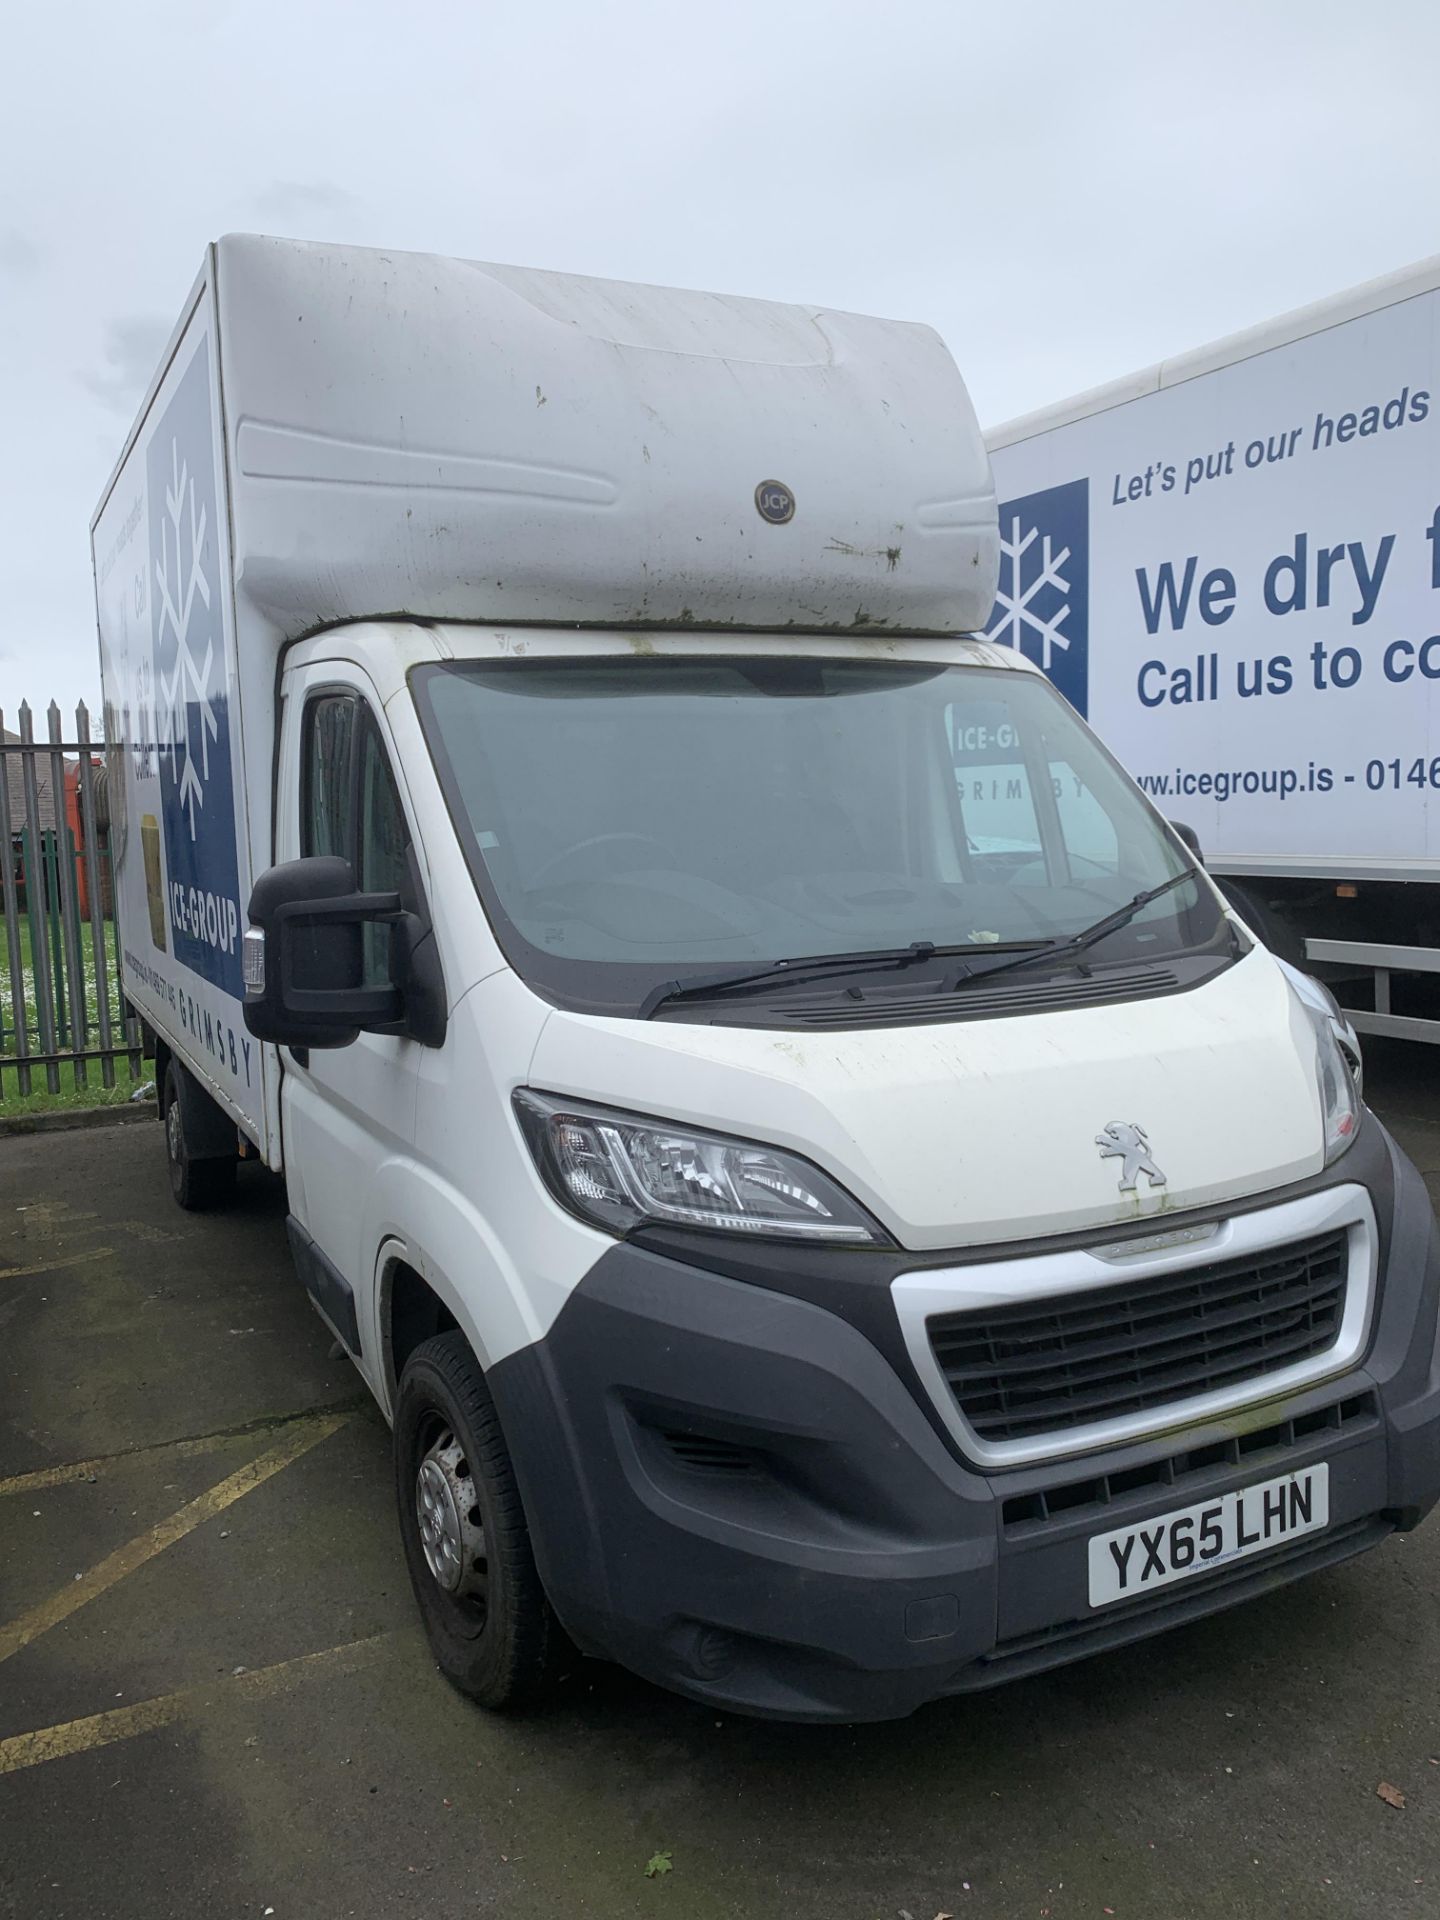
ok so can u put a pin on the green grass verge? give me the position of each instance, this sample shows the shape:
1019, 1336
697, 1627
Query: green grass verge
71, 1095
53, 947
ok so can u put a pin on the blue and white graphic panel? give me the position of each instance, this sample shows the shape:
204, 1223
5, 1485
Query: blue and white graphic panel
192, 724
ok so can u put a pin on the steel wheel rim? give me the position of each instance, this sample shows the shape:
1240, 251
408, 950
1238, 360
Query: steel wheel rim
447, 1514
173, 1136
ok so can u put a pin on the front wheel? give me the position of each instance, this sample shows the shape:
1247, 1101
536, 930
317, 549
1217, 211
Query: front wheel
467, 1545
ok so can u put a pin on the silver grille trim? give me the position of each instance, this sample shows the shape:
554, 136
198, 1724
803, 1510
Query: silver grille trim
921, 1295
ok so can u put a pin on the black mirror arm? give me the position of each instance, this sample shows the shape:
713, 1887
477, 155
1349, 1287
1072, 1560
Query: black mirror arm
367, 1006
418, 975
376, 907
1191, 839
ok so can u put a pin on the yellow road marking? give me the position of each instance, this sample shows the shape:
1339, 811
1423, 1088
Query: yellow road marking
54, 1266
187, 1449
124, 1723
42, 1216
49, 1613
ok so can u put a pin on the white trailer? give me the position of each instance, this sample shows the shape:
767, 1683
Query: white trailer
1230, 562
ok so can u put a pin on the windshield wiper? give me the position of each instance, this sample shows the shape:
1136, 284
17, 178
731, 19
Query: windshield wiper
805, 967
1077, 942
1016, 953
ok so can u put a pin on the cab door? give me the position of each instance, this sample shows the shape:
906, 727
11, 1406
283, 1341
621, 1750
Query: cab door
347, 1113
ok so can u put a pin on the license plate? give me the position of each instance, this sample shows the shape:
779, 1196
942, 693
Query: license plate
1153, 1554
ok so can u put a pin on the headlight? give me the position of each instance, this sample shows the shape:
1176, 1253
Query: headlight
1339, 1100
618, 1169
1337, 1060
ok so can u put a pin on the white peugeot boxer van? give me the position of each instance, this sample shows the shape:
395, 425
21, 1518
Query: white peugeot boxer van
835, 1208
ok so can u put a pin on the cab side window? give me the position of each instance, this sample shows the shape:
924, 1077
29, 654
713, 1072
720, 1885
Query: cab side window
325, 810
381, 839
350, 807
381, 836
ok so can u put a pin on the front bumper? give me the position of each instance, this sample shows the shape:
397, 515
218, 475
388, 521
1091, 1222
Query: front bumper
734, 1492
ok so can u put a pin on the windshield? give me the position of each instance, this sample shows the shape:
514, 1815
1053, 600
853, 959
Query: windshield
629, 818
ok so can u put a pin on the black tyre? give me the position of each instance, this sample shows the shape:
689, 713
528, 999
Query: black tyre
466, 1541
197, 1185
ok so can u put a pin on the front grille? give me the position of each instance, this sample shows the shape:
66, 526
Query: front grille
1183, 1477
1048, 1366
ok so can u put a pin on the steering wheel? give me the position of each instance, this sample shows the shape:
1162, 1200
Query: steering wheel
595, 840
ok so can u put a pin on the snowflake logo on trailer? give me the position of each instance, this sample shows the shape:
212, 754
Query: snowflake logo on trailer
1042, 599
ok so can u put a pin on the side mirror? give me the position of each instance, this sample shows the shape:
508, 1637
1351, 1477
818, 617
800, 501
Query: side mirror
304, 956
1191, 839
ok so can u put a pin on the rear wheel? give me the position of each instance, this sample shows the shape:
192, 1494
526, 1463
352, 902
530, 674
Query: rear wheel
466, 1541
196, 1184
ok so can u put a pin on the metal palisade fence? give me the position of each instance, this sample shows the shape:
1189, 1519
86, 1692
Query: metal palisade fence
63, 1018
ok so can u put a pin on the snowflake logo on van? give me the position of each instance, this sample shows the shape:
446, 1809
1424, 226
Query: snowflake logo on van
184, 694
1122, 1140
1042, 596
197, 886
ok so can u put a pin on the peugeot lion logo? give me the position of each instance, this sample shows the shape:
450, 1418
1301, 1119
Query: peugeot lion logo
1129, 1145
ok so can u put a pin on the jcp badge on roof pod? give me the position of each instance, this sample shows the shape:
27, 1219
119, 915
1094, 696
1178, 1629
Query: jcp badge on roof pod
775, 502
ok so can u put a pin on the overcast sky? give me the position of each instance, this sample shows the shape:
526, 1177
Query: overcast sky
1068, 191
